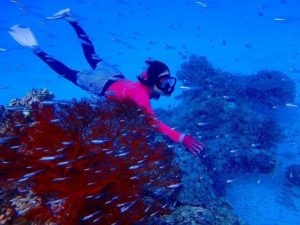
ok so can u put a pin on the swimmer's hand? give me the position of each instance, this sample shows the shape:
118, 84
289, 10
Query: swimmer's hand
194, 146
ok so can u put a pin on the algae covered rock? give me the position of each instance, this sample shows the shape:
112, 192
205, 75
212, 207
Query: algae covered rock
217, 213
35, 96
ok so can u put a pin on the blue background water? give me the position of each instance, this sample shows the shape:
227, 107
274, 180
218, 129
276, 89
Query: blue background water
236, 36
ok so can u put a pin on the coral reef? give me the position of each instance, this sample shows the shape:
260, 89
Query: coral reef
35, 96
202, 81
270, 88
99, 162
85, 162
197, 201
235, 124
214, 213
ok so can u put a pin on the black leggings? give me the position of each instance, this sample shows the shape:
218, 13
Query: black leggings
88, 50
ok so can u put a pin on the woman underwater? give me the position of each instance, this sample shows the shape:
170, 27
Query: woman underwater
106, 80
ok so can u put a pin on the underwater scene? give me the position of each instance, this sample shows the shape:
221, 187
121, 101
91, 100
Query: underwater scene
130, 112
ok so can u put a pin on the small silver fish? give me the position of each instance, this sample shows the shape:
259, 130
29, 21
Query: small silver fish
81, 156
99, 141
57, 201
99, 196
201, 4
89, 196
4, 140
19, 125
147, 209
258, 181
60, 149
115, 223
22, 179
67, 142
97, 219
153, 214
54, 121
122, 154
90, 216
127, 206
47, 102
15, 147
185, 87
60, 179
64, 163
174, 185
32, 174
23, 211
255, 145
227, 97
290, 105
51, 158
165, 205
110, 201
202, 124
280, 19
229, 181
134, 167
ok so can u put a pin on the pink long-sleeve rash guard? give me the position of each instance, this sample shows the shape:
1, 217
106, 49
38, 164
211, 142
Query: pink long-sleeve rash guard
140, 94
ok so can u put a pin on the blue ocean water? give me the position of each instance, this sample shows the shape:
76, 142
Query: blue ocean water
241, 37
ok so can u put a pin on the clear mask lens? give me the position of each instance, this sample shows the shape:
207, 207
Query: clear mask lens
167, 83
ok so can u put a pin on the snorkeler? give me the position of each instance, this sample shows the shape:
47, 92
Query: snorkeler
106, 80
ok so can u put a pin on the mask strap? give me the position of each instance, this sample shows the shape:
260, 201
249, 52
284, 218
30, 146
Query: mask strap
163, 74
144, 75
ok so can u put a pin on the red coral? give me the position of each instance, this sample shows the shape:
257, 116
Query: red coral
87, 164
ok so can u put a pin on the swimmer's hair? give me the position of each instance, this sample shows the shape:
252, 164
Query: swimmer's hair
155, 68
